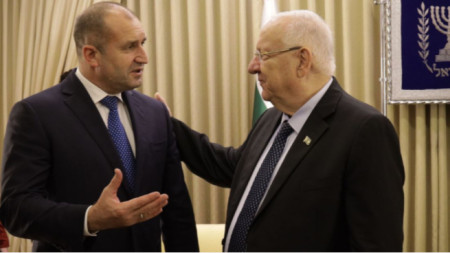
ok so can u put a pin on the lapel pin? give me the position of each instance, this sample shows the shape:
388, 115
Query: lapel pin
307, 140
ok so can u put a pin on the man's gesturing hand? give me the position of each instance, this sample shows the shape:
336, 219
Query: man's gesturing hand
109, 212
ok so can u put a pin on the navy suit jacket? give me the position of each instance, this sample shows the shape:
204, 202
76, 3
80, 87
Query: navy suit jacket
58, 157
342, 191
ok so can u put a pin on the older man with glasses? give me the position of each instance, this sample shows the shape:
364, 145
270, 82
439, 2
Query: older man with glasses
321, 171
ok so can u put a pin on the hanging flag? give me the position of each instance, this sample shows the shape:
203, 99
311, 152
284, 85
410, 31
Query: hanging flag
259, 105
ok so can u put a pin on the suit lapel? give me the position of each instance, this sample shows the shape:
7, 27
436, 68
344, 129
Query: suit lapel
143, 120
310, 134
78, 100
137, 119
298, 150
262, 133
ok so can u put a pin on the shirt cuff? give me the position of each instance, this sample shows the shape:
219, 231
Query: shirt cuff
86, 230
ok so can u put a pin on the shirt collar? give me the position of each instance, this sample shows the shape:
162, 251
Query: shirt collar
301, 115
94, 91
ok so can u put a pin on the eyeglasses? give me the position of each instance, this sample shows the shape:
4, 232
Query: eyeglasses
261, 55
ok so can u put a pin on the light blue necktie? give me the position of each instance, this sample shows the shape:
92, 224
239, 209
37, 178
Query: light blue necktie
238, 241
119, 137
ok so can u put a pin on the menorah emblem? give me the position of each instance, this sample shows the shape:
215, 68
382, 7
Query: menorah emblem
438, 17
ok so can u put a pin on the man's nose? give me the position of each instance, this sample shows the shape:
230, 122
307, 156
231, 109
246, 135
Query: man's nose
254, 65
142, 56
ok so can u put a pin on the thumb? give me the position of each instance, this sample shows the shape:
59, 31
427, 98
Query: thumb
115, 181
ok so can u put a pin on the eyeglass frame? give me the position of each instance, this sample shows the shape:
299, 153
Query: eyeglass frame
261, 55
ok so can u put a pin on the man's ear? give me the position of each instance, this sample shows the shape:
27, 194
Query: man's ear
305, 61
91, 55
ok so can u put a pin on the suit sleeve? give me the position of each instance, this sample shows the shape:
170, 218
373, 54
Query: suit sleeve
179, 227
26, 210
374, 188
210, 161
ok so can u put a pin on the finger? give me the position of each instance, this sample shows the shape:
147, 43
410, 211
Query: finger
161, 99
153, 209
136, 204
115, 182
156, 205
159, 203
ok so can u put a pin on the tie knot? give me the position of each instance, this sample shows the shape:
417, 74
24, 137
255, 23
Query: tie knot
110, 102
286, 129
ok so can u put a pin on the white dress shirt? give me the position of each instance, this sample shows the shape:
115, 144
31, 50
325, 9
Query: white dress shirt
97, 95
296, 121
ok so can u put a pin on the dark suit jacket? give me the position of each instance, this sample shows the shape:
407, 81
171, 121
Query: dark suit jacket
342, 192
58, 157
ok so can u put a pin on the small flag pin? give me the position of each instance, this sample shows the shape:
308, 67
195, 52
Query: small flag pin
307, 140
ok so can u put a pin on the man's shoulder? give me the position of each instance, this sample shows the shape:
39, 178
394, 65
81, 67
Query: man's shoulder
146, 103
48, 95
360, 113
142, 98
358, 107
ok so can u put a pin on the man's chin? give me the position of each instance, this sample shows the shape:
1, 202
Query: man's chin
265, 96
136, 83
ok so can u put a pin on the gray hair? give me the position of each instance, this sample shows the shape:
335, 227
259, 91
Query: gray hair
307, 29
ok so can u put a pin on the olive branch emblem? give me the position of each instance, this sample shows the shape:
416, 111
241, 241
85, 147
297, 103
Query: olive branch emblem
423, 28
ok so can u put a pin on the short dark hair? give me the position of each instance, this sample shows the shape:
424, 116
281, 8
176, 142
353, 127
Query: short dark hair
64, 75
90, 27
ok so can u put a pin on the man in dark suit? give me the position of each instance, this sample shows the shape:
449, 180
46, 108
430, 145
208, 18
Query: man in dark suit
333, 178
60, 153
